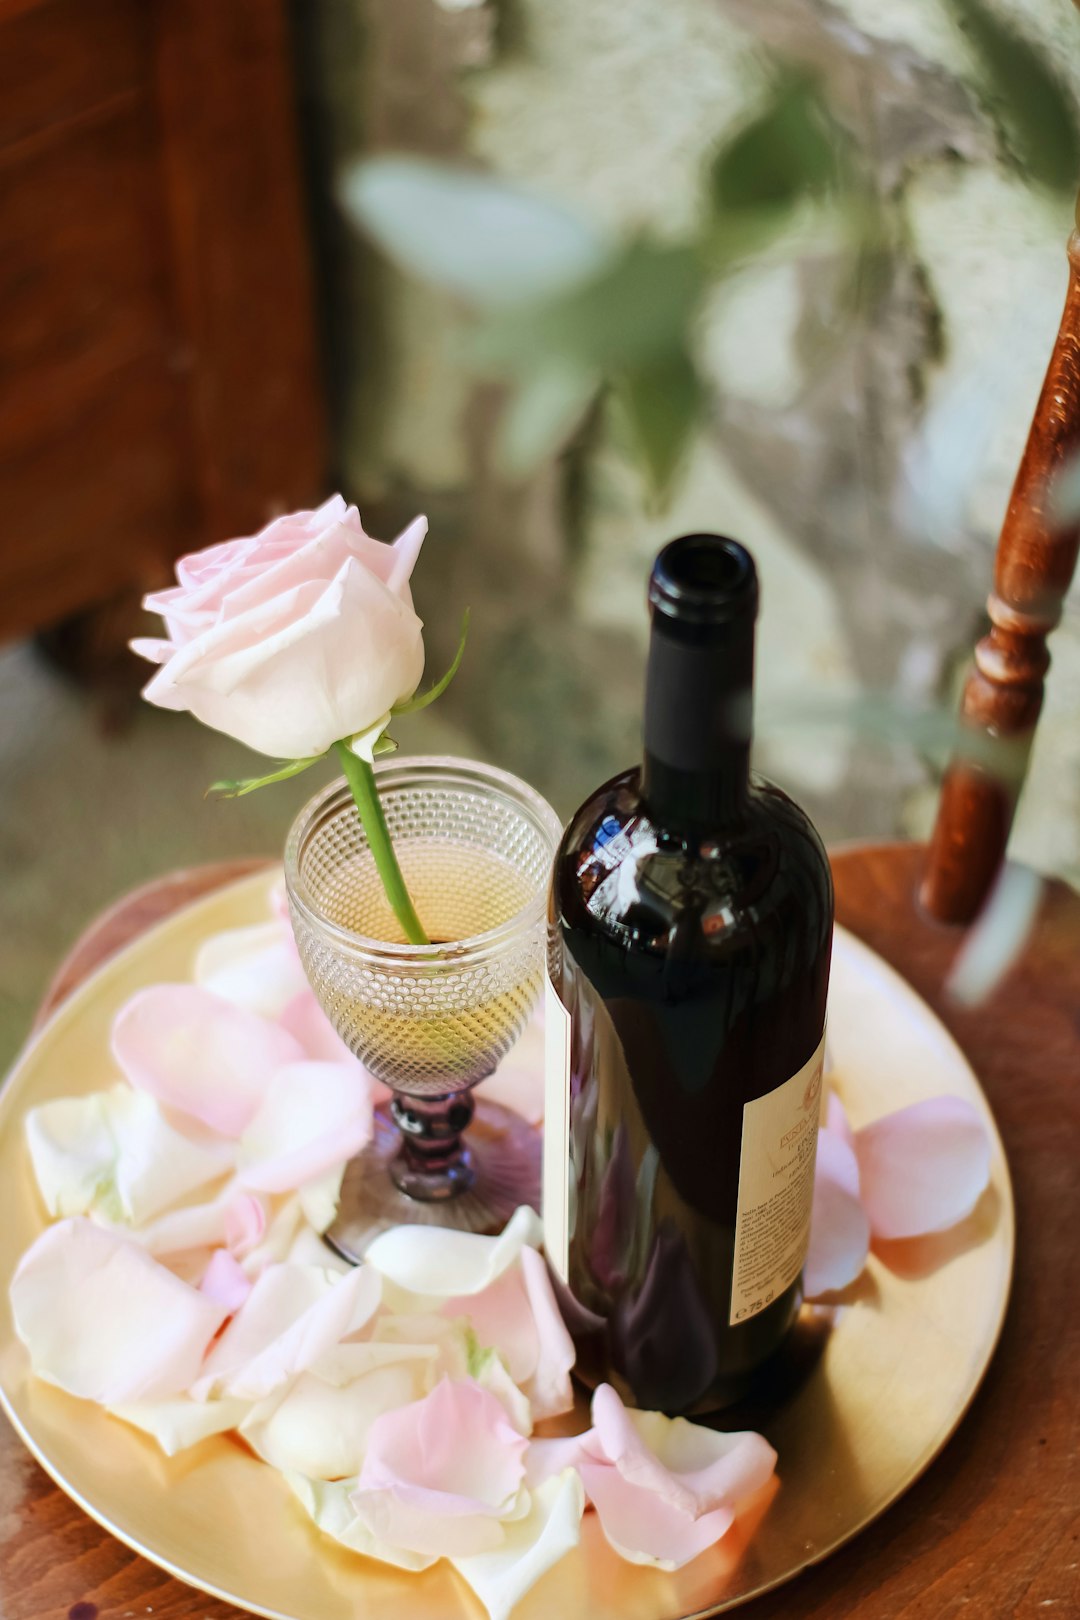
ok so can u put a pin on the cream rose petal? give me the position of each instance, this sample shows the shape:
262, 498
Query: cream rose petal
225, 1281
923, 1168
435, 1262
105, 1321
115, 1153
321, 1429
531, 1547
195, 1052
440, 1475
254, 968
235, 1220
178, 1424
839, 1229
329, 1504
288, 1322
312, 1118
308, 1024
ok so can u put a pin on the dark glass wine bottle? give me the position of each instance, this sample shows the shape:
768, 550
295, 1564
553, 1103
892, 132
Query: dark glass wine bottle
690, 934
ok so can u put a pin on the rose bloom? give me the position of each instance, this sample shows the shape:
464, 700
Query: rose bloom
293, 638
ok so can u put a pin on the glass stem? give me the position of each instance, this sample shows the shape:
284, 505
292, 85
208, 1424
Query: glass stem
361, 779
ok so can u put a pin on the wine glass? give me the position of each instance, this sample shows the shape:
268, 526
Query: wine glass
475, 846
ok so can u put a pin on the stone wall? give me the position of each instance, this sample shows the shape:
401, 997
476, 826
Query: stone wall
826, 437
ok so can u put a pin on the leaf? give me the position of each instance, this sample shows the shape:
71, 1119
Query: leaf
248, 784
543, 412
415, 703
632, 314
1035, 107
491, 243
790, 151
663, 404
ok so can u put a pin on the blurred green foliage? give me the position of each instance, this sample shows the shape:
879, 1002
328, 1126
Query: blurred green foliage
562, 311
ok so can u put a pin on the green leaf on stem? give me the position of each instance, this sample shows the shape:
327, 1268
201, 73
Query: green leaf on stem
248, 784
1037, 111
411, 705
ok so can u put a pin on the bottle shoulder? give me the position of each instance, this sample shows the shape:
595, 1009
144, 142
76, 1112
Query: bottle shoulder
621, 874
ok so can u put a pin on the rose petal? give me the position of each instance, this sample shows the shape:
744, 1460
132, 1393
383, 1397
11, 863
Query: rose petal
321, 1429
435, 1262
115, 1153
255, 968
923, 1168
308, 1024
836, 1120
839, 1229
195, 1052
644, 1529
293, 1316
330, 1505
225, 1281
175, 1425
549, 1388
440, 1474
319, 1199
103, 1320
532, 1546
693, 1468
313, 1117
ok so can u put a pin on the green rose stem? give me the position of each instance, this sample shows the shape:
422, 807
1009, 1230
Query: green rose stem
361, 779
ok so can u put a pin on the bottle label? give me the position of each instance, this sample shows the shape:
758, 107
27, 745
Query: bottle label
556, 1161
776, 1189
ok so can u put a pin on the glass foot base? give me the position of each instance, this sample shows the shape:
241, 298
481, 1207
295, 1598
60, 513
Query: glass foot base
504, 1151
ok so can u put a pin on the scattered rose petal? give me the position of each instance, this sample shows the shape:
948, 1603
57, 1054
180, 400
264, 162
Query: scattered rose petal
105, 1321
293, 1316
839, 1229
312, 1118
236, 1220
225, 1281
517, 1316
254, 968
330, 1505
176, 1425
441, 1474
195, 1052
306, 1022
435, 1262
923, 1168
319, 1199
836, 1120
321, 1429
532, 1546
664, 1488
115, 1153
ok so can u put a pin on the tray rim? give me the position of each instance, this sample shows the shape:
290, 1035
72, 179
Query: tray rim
262, 881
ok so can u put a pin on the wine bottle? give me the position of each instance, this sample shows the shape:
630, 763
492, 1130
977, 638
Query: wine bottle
690, 932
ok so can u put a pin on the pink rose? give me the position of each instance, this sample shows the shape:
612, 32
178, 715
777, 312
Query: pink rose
293, 638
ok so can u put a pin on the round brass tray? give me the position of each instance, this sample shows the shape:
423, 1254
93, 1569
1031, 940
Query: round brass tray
899, 1362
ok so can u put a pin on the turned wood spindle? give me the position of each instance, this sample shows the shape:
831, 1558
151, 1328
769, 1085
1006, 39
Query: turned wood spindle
1036, 556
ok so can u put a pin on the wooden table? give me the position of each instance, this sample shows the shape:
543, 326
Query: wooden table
993, 1529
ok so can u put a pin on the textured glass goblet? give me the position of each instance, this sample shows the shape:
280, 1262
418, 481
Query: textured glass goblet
475, 846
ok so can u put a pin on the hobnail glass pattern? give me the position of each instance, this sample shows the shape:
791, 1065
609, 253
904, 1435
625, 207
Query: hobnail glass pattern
475, 846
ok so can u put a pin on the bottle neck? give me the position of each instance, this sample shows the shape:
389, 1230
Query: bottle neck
698, 720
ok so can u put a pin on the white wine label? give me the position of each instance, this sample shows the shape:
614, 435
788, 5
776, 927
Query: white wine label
556, 1167
776, 1189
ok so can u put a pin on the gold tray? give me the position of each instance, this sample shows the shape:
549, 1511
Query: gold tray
899, 1367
